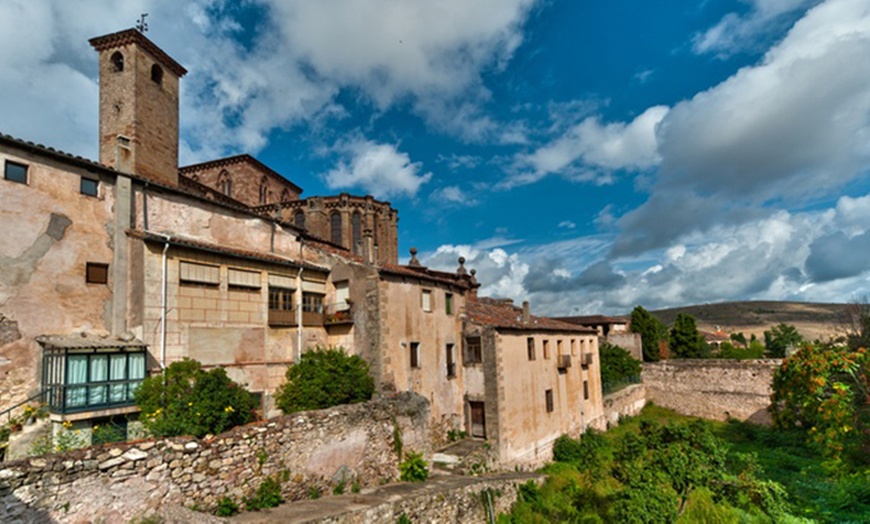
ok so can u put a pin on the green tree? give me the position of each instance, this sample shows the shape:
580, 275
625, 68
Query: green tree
325, 377
825, 391
651, 332
781, 340
617, 364
739, 337
186, 400
685, 341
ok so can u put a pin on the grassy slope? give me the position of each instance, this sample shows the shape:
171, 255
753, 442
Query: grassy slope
782, 455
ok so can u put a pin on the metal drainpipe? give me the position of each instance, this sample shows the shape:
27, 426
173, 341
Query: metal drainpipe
163, 293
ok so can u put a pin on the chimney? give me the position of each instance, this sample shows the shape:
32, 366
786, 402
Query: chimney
526, 314
368, 248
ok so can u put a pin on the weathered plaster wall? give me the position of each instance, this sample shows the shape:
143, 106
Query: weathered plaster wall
115, 483
526, 429
630, 342
713, 389
403, 322
50, 231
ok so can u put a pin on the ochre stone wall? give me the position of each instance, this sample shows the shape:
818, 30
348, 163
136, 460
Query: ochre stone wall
115, 483
712, 389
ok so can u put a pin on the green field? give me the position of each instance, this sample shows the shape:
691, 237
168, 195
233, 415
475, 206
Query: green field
756, 474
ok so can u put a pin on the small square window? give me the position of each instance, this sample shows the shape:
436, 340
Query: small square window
427, 300
549, 398
546, 350
89, 186
415, 354
15, 172
96, 273
530, 348
473, 351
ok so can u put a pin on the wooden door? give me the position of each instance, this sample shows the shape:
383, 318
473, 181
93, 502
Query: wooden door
478, 419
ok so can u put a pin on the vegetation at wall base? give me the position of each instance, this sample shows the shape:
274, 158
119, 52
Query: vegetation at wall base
268, 495
665, 467
618, 367
187, 400
414, 468
325, 377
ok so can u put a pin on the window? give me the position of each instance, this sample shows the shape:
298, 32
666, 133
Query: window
312, 303
157, 74
117, 61
87, 381
473, 351
280, 299
285, 195
546, 350
342, 296
415, 354
448, 303
299, 219
15, 172
356, 233
585, 390
191, 273
96, 273
558, 348
335, 228
548, 396
530, 347
451, 365
264, 190
89, 187
427, 300
573, 347
225, 183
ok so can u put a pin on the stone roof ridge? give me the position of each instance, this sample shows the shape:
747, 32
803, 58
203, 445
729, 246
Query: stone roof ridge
235, 159
129, 36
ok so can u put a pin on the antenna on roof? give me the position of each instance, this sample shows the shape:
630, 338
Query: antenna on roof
141, 24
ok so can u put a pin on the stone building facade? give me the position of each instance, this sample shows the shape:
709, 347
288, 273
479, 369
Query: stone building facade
112, 270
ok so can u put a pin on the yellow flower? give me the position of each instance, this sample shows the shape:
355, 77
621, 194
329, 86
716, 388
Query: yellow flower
190, 403
96, 427
67, 424
229, 409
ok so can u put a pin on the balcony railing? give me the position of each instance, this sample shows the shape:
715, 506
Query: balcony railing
336, 314
564, 362
71, 398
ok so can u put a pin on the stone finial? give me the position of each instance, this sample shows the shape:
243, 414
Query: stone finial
414, 262
473, 273
461, 269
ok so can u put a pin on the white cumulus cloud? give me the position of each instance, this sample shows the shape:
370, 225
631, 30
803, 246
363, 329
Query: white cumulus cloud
380, 169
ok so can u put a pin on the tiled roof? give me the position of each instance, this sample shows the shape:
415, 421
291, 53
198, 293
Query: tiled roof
129, 36
223, 250
237, 159
503, 314
593, 320
427, 274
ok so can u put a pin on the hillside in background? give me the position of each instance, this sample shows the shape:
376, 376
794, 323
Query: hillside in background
812, 320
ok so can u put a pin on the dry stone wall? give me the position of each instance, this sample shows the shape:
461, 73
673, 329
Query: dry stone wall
305, 451
712, 389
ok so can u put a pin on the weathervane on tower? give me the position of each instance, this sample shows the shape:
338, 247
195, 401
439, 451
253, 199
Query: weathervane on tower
141, 24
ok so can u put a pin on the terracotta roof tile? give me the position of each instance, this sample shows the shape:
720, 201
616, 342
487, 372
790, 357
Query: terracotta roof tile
503, 314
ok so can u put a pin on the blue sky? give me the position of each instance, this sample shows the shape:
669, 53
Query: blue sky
588, 156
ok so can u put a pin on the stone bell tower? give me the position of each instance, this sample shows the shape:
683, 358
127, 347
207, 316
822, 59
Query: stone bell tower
138, 106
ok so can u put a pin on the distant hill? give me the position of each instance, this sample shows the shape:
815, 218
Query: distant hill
811, 319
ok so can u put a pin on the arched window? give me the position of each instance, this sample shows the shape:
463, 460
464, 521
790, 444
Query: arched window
335, 228
299, 219
264, 190
117, 61
375, 227
225, 183
356, 233
285, 196
157, 74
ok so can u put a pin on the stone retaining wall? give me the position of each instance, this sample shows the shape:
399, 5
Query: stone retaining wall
309, 450
626, 402
712, 389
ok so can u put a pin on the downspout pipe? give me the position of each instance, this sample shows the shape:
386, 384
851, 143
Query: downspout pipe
163, 297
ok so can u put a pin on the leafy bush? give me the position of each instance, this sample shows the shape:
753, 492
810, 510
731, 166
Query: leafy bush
226, 507
617, 364
566, 449
413, 468
729, 351
187, 400
324, 378
268, 495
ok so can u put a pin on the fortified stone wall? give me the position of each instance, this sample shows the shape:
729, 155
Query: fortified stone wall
712, 389
305, 451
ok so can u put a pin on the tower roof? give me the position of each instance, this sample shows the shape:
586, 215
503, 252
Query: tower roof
130, 36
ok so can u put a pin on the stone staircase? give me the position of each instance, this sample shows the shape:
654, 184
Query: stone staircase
464, 457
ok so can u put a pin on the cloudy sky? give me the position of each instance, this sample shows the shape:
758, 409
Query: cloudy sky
589, 156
